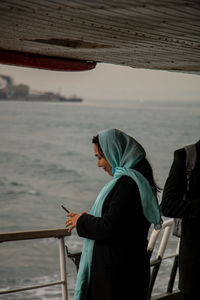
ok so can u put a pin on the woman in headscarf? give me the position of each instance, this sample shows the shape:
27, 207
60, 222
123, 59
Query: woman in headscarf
114, 262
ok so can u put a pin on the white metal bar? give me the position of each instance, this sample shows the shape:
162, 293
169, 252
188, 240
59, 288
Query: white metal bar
167, 223
33, 234
156, 260
155, 234
164, 241
30, 287
63, 271
153, 239
178, 246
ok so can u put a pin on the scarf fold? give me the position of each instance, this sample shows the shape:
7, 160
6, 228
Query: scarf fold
123, 153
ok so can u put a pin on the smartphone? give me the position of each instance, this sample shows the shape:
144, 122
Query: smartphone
65, 209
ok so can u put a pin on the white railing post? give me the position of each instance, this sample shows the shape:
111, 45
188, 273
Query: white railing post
164, 241
63, 271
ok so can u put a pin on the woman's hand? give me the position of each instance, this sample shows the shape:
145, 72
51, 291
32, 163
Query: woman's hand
72, 220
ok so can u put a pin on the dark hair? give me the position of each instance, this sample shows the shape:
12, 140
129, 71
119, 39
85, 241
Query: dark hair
143, 166
95, 140
146, 170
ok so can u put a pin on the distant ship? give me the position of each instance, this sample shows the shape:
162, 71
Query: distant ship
9, 91
73, 98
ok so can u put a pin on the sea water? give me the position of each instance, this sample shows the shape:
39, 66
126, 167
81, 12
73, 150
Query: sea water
46, 159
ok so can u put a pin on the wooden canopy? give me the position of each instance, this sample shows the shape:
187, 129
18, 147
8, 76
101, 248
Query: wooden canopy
74, 34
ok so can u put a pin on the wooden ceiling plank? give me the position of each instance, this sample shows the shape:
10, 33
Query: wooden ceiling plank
62, 32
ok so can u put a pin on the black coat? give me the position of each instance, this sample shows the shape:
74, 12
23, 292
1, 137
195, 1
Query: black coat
120, 266
173, 205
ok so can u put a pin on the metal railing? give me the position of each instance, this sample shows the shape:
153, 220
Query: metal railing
156, 262
62, 233
41, 234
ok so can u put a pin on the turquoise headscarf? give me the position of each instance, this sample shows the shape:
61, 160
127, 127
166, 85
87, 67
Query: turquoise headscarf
123, 153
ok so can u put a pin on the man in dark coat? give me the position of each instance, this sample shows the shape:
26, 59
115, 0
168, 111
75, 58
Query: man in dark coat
174, 206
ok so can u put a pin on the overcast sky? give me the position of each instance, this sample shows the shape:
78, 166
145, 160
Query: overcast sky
111, 82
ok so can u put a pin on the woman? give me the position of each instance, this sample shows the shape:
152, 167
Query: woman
114, 262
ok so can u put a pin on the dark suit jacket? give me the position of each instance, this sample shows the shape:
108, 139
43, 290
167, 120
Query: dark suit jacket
120, 266
174, 206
